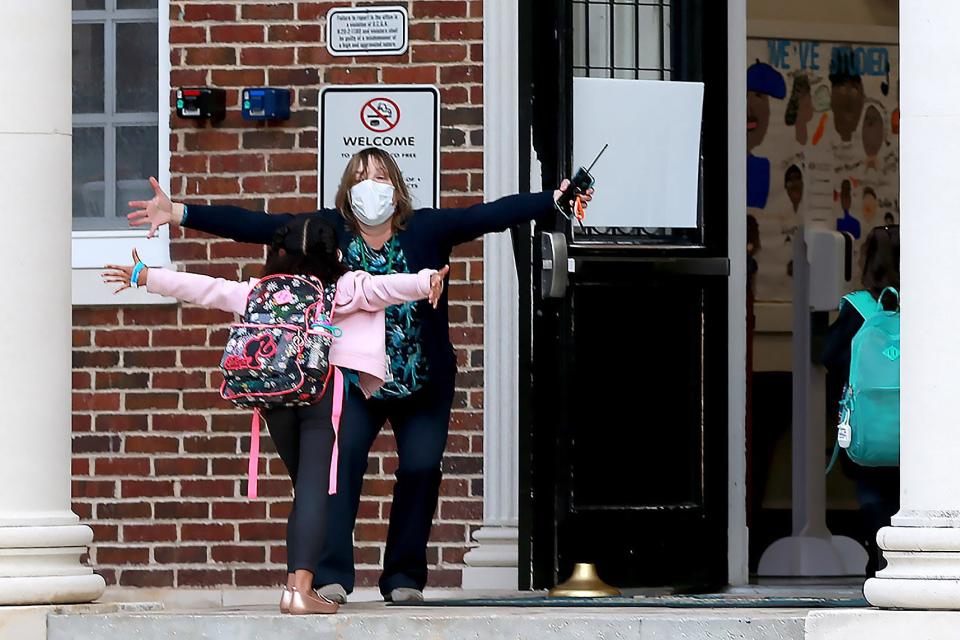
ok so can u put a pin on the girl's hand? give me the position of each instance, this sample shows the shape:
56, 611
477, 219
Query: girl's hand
117, 274
585, 198
156, 212
436, 285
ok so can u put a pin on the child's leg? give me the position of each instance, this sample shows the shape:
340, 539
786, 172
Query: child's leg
306, 526
284, 428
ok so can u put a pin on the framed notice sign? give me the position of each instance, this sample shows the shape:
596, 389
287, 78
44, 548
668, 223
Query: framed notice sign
403, 120
367, 31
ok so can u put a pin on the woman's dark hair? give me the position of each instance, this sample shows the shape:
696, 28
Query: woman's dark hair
881, 260
307, 245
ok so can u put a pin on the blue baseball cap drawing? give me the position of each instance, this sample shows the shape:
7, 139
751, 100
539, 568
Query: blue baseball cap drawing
762, 78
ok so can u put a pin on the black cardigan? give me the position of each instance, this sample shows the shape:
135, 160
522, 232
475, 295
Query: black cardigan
427, 241
836, 348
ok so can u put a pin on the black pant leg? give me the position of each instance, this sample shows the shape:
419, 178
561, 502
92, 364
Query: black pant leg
420, 423
283, 425
307, 523
359, 425
878, 490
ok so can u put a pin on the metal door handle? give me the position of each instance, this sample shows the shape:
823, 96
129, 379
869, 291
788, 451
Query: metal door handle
553, 272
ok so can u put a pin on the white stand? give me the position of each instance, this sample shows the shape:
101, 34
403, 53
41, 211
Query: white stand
811, 550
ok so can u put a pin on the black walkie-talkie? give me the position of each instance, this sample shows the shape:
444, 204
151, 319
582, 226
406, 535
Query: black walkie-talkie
582, 181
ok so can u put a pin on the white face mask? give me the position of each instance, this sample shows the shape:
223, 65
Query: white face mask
372, 202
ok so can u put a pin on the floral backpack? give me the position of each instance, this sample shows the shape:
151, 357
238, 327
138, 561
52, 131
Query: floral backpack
279, 354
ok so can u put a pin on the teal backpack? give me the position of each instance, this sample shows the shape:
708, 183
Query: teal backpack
869, 426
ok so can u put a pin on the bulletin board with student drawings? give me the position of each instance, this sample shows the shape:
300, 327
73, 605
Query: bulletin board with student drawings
823, 125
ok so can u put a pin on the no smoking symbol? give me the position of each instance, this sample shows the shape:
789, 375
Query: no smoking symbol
380, 114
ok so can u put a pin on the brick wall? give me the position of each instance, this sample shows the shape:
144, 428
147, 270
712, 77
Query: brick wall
159, 459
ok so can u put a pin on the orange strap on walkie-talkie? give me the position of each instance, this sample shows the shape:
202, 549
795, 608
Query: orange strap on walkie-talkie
578, 209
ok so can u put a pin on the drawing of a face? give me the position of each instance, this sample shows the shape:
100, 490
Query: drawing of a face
763, 81
846, 101
758, 118
869, 204
793, 185
872, 131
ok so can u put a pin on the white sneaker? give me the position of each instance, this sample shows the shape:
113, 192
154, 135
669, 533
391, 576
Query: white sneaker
334, 593
405, 594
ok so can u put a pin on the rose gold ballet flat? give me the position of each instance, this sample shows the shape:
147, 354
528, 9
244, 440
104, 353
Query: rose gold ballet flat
285, 596
310, 603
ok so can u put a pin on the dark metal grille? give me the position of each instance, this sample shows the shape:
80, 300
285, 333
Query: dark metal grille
628, 39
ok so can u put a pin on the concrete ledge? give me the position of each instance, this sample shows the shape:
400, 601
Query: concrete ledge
365, 621
30, 623
874, 624
187, 599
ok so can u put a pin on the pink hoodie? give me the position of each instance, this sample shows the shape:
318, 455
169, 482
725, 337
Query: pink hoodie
360, 302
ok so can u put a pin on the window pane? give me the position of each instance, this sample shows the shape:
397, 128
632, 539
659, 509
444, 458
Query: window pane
137, 67
88, 188
137, 153
598, 40
624, 39
649, 44
579, 38
81, 5
88, 68
136, 4
667, 55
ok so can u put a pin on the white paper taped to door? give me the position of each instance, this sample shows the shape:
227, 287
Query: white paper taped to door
648, 177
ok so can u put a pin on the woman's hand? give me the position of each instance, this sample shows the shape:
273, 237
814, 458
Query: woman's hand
156, 211
114, 274
436, 285
585, 197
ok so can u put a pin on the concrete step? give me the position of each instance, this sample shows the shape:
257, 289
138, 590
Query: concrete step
30, 622
365, 621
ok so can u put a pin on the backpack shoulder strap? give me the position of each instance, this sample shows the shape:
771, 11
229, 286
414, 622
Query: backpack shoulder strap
833, 458
892, 291
864, 302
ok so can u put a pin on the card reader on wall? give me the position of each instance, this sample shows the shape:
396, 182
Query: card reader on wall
266, 103
202, 103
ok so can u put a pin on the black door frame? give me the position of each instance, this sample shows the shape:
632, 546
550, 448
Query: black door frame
545, 36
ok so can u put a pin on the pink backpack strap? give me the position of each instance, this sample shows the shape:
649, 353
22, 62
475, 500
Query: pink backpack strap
253, 466
338, 392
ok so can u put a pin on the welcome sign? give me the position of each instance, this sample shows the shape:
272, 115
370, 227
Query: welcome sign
403, 120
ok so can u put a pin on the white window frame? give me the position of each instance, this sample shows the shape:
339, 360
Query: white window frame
92, 249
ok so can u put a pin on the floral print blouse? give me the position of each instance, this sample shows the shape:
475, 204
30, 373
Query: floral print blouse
406, 365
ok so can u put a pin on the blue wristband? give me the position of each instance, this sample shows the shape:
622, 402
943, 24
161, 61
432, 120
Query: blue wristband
136, 273
183, 218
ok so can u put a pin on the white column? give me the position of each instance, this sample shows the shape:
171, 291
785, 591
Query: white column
493, 563
923, 545
737, 533
41, 540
